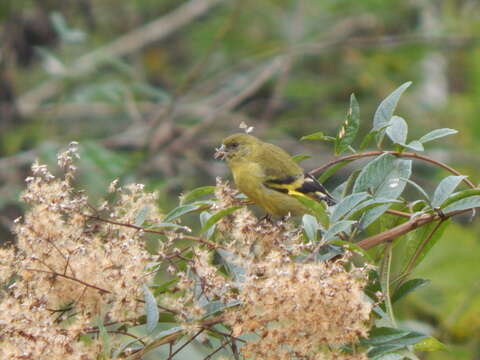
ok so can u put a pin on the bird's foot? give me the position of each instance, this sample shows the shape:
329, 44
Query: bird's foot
265, 218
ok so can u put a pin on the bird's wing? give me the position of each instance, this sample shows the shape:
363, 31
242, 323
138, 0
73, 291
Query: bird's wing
277, 164
283, 174
312, 188
305, 185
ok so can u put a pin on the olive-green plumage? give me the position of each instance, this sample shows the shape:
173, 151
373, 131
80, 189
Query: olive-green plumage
269, 176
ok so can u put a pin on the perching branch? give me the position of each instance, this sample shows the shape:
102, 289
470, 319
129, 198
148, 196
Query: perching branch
352, 157
404, 228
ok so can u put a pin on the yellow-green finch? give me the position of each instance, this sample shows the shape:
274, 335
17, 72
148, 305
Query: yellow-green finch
269, 176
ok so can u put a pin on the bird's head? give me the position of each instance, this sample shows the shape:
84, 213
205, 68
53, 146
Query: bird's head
236, 146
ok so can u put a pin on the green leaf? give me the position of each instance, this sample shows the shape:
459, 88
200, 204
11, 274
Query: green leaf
418, 187
338, 227
204, 217
231, 261
381, 351
349, 129
196, 193
168, 225
310, 227
392, 336
366, 140
300, 157
123, 347
332, 170
161, 288
216, 306
415, 145
347, 204
212, 220
436, 134
385, 110
430, 344
179, 211
460, 195
142, 215
375, 174
318, 209
389, 356
328, 251
383, 177
385, 270
407, 287
463, 204
353, 248
315, 136
383, 335
151, 309
105, 338
397, 130
445, 189
418, 243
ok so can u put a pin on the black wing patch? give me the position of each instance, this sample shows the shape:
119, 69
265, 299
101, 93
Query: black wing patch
284, 181
309, 186
313, 188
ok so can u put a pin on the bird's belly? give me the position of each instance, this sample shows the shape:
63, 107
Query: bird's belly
274, 202
249, 180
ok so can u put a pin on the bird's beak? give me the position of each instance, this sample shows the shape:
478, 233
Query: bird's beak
220, 152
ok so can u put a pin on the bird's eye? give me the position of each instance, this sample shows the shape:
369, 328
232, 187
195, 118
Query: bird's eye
234, 145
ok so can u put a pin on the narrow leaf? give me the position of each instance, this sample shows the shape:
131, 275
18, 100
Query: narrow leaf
338, 227
445, 189
105, 338
430, 344
318, 209
385, 269
142, 215
151, 309
420, 241
374, 174
466, 203
382, 335
407, 287
310, 227
383, 177
315, 136
436, 134
169, 226
347, 204
349, 128
212, 220
386, 108
179, 211
300, 157
397, 130
196, 193
460, 195
415, 146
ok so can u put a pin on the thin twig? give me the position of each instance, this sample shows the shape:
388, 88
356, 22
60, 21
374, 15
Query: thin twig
186, 343
210, 244
54, 273
404, 228
353, 157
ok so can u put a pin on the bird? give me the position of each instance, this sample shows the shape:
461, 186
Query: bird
269, 176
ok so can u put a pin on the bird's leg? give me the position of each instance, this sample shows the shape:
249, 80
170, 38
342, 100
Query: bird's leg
267, 218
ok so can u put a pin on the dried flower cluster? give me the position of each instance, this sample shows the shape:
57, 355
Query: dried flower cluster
69, 269
296, 308
74, 265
